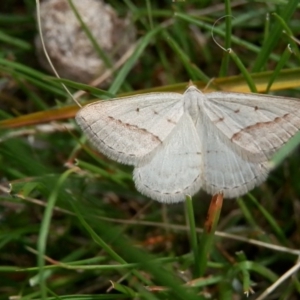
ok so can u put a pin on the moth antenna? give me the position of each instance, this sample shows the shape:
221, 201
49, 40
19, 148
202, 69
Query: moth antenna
209, 83
212, 33
38, 12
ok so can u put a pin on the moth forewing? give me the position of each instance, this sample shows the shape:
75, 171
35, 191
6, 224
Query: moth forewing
259, 124
130, 129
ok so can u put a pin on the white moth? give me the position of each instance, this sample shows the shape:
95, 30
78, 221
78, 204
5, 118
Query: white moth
220, 142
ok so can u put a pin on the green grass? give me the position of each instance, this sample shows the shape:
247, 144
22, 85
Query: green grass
72, 224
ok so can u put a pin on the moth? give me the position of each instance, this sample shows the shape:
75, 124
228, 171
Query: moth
179, 143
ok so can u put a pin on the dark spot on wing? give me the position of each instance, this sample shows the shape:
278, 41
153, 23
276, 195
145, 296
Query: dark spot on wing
171, 121
219, 120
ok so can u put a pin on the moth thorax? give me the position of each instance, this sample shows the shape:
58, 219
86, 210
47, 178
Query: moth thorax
192, 106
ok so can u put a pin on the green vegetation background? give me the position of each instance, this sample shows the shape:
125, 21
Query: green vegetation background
72, 225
